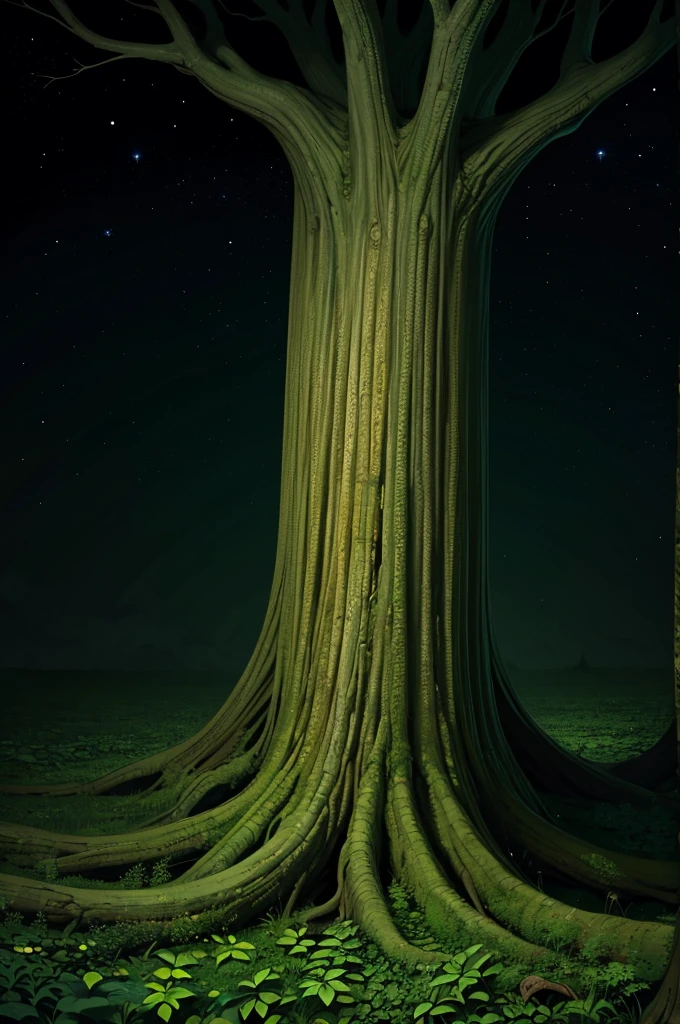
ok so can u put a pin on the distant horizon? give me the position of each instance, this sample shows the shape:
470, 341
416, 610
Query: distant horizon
508, 664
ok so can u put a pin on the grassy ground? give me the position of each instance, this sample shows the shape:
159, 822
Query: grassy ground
60, 728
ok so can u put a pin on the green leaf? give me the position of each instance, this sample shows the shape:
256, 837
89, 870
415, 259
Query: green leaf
155, 997
421, 1008
185, 959
247, 1007
18, 1011
91, 978
165, 1012
166, 954
326, 994
441, 979
180, 993
76, 1005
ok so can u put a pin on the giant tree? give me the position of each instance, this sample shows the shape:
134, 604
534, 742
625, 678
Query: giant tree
375, 718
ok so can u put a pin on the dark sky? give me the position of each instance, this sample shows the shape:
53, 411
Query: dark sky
146, 233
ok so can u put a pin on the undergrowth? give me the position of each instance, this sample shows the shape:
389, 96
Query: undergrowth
285, 972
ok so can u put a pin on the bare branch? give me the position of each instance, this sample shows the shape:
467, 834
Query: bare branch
440, 11
143, 7
581, 35
83, 67
309, 43
215, 34
370, 101
168, 53
505, 144
406, 54
455, 40
493, 66
310, 134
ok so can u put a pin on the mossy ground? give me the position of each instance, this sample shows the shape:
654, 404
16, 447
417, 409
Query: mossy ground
115, 727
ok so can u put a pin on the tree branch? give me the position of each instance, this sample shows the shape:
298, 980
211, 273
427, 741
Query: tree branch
309, 43
83, 67
406, 54
167, 53
297, 119
455, 40
369, 97
494, 65
581, 35
515, 138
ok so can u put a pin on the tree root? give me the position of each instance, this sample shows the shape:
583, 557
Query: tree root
25, 846
555, 769
228, 730
527, 910
665, 1007
584, 862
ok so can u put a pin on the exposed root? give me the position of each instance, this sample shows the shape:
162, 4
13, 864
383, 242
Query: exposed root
418, 868
362, 897
227, 776
228, 730
86, 854
241, 890
584, 862
527, 910
652, 767
665, 1007
557, 770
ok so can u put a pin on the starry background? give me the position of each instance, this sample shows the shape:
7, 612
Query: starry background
147, 228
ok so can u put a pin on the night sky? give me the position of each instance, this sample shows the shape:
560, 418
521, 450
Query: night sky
146, 234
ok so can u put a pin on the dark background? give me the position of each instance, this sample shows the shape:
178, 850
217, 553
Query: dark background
146, 234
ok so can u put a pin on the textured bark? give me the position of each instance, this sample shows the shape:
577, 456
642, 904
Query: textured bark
374, 713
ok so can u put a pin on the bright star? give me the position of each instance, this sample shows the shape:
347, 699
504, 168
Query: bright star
136, 157
600, 154
108, 232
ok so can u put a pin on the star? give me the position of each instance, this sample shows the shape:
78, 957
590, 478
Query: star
600, 153
136, 157
107, 232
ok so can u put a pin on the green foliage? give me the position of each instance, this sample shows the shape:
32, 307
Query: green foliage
462, 972
299, 976
232, 948
605, 868
135, 877
160, 872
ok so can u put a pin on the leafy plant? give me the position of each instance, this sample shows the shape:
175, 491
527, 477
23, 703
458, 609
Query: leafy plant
458, 977
165, 997
234, 949
588, 1008
160, 872
261, 994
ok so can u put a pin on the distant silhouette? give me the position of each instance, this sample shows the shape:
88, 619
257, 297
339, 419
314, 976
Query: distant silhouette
583, 665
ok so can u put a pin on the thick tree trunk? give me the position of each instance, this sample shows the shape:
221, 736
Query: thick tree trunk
374, 712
